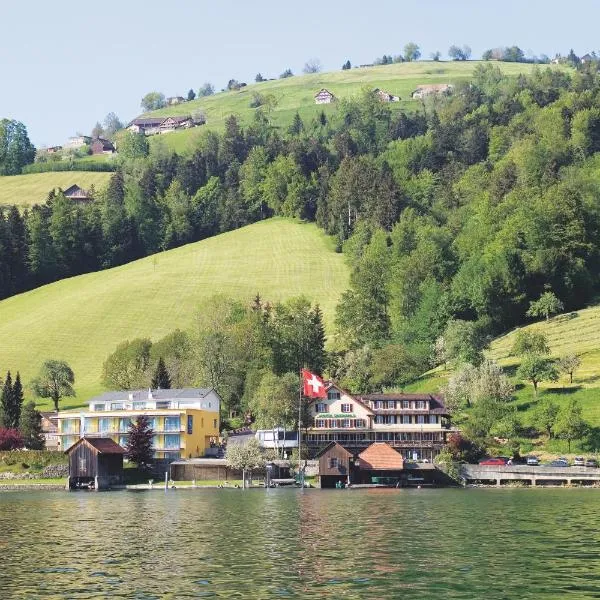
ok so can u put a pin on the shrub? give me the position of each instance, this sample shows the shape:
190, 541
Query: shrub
10, 439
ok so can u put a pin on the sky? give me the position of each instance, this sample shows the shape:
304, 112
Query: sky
65, 64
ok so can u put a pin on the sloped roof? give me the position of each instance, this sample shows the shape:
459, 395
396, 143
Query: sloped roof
323, 90
379, 456
142, 395
329, 447
103, 445
106, 144
436, 402
75, 191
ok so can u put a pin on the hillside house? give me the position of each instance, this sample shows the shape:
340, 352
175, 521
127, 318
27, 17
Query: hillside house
174, 100
102, 146
433, 89
158, 125
586, 58
386, 96
416, 425
77, 194
324, 97
50, 430
78, 141
53, 149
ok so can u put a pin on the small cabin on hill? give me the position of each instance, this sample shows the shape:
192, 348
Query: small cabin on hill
77, 194
95, 463
386, 96
324, 97
102, 146
174, 100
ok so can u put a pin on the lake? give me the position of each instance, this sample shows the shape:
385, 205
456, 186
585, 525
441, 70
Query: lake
289, 543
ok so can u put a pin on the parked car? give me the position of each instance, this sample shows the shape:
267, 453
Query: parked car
579, 461
560, 462
591, 462
533, 460
494, 461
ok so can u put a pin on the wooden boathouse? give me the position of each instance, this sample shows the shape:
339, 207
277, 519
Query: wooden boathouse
95, 463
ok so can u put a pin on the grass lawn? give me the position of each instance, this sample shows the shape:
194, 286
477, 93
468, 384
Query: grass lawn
26, 190
82, 319
297, 94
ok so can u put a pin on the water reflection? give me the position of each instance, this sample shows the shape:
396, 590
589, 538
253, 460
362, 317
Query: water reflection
301, 544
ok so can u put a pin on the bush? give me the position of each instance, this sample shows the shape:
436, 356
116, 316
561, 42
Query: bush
10, 439
68, 165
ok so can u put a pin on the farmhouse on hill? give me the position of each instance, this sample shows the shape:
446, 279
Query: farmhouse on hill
158, 125
386, 96
173, 100
102, 146
432, 89
324, 97
78, 141
77, 194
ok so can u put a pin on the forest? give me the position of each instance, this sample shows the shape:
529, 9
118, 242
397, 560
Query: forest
459, 214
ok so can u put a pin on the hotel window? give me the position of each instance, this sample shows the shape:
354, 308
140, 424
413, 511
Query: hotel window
347, 408
320, 423
333, 395
160, 405
98, 407
346, 423
153, 423
379, 404
406, 419
432, 419
420, 405
405, 404
117, 406
214, 423
172, 442
124, 424
379, 419
104, 425
420, 419
123, 440
333, 463
190, 424
139, 405
390, 419
391, 404
171, 423
321, 407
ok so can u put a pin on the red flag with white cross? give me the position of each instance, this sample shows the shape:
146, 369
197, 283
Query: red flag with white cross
312, 385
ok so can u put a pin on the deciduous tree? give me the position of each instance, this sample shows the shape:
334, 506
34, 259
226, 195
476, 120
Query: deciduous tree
570, 424
16, 150
245, 457
535, 368
127, 367
547, 304
55, 381
153, 101
530, 341
411, 52
569, 364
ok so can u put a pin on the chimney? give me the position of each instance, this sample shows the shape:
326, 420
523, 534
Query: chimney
149, 393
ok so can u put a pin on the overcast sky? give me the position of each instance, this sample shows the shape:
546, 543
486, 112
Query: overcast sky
66, 64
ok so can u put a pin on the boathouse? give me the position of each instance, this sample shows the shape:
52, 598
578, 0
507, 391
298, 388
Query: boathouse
334, 465
95, 463
380, 464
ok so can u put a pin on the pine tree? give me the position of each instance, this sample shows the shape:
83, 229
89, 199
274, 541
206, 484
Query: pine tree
317, 345
161, 379
297, 125
30, 426
139, 442
6, 402
16, 403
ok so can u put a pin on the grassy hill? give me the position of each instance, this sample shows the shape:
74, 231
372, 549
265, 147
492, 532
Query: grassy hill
27, 190
297, 93
82, 319
577, 332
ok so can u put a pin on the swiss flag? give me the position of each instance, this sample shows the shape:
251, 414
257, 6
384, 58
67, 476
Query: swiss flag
312, 385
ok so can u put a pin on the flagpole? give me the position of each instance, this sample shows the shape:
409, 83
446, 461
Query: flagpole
300, 429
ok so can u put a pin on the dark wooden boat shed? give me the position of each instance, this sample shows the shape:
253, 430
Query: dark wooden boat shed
334, 465
95, 463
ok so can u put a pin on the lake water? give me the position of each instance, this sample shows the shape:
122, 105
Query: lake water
480, 543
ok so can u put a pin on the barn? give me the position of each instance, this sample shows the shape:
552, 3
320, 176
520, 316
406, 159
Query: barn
95, 463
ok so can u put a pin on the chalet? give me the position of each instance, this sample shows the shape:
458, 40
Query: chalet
102, 146
386, 96
78, 141
95, 462
324, 97
53, 149
433, 89
586, 58
334, 465
416, 425
172, 123
77, 194
147, 126
174, 100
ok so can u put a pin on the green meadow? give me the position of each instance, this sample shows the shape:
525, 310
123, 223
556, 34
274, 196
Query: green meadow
27, 190
297, 94
82, 319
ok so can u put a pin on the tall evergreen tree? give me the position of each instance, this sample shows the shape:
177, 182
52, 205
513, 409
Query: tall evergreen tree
297, 125
16, 403
6, 402
161, 379
317, 359
30, 425
139, 442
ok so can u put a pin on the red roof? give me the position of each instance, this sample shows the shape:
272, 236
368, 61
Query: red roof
103, 445
380, 457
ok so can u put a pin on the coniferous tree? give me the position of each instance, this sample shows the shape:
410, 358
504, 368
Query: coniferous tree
16, 403
6, 402
161, 379
139, 442
318, 340
30, 426
297, 125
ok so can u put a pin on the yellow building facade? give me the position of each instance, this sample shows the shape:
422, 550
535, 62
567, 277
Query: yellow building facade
185, 421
